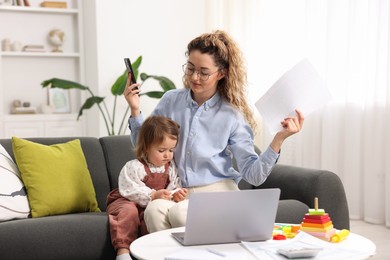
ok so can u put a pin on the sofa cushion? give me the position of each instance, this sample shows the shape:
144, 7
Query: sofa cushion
56, 177
118, 150
13, 197
78, 236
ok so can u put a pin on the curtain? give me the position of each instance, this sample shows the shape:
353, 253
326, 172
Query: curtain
348, 42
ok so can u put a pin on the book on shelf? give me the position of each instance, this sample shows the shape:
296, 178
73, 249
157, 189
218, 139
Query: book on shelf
23, 110
34, 48
54, 4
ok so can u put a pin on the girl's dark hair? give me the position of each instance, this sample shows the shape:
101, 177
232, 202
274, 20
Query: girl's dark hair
153, 132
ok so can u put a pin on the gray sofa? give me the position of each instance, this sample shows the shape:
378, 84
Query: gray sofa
86, 235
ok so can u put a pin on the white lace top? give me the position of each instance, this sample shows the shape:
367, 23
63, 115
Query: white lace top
132, 187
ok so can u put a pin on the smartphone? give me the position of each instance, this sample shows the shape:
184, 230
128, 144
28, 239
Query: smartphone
130, 69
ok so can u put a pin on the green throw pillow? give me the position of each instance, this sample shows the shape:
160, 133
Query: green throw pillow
56, 177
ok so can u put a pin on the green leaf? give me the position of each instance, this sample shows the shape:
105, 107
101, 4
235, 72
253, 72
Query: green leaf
144, 76
165, 83
89, 103
153, 94
63, 84
136, 64
119, 85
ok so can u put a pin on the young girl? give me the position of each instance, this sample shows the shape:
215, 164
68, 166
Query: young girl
152, 176
216, 121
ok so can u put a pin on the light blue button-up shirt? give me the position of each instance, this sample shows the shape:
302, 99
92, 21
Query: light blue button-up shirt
210, 135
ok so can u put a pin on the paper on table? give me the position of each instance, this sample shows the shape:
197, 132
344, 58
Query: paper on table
268, 250
299, 88
196, 253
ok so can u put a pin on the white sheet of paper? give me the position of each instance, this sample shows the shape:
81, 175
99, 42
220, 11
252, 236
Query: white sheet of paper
299, 88
268, 250
200, 253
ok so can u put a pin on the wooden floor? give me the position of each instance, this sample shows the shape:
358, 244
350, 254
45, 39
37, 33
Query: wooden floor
378, 234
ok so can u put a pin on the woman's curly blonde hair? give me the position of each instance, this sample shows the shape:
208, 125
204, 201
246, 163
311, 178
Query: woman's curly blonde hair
227, 57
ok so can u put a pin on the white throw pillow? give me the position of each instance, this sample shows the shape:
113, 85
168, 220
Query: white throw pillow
13, 197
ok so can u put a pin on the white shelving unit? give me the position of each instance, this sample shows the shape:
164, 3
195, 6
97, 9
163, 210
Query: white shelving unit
21, 73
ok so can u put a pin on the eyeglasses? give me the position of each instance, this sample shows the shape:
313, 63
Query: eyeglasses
189, 71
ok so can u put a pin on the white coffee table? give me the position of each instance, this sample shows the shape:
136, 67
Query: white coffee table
156, 246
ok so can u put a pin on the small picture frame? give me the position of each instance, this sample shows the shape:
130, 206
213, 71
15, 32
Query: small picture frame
59, 99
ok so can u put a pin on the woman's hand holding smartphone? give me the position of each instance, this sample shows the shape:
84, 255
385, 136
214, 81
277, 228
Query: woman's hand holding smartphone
132, 98
131, 72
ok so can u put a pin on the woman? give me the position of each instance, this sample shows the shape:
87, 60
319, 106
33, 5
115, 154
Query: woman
216, 121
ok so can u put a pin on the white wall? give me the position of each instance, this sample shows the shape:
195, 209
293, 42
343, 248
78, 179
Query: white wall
269, 33
157, 30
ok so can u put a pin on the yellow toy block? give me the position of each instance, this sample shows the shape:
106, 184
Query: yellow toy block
340, 236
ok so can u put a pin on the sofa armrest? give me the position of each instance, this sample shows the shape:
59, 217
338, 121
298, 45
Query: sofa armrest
304, 184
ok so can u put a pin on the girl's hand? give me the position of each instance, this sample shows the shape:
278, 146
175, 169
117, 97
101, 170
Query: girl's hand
161, 194
180, 195
131, 95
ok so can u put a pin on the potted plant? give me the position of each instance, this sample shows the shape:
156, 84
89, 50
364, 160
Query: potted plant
116, 90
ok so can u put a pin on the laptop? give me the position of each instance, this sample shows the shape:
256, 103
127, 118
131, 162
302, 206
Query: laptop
229, 217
